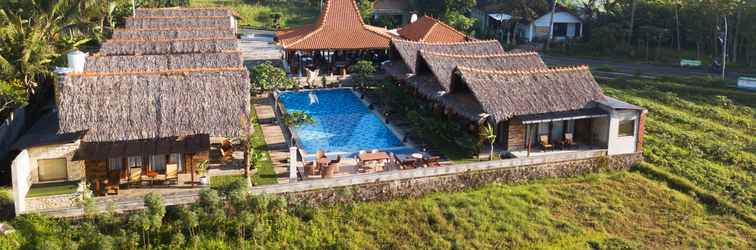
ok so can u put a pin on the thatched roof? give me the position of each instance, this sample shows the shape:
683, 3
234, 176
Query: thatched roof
442, 65
428, 29
408, 50
162, 12
178, 22
99, 151
142, 63
340, 26
172, 46
157, 104
463, 104
174, 33
507, 94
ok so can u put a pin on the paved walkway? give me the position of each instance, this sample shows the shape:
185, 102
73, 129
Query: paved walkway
258, 47
274, 137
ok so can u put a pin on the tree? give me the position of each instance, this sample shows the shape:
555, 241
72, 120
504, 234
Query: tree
265, 76
297, 119
12, 95
489, 133
362, 70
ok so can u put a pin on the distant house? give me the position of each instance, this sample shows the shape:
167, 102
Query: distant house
397, 11
428, 29
148, 104
532, 107
495, 21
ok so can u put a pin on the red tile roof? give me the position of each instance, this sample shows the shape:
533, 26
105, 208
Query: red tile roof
340, 27
428, 29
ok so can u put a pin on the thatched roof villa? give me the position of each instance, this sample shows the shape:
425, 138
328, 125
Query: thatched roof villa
530, 105
151, 101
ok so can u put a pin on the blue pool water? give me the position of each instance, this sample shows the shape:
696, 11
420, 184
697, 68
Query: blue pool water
342, 122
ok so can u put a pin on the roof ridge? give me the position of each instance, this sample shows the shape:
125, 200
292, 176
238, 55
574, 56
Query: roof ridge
429, 31
207, 27
99, 55
527, 72
436, 21
319, 25
177, 17
166, 40
505, 54
444, 43
157, 72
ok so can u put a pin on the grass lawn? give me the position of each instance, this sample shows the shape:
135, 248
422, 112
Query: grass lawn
38, 190
699, 131
607, 211
265, 173
293, 12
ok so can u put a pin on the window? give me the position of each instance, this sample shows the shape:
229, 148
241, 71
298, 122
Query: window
52, 169
560, 29
135, 161
627, 128
114, 163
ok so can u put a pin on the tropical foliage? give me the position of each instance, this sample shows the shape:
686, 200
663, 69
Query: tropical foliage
265, 76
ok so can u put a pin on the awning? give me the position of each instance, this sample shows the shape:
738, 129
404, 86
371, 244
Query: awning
563, 116
161, 146
500, 16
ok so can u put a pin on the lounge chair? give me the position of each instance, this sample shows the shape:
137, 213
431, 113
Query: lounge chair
135, 176
171, 173
328, 171
544, 139
432, 161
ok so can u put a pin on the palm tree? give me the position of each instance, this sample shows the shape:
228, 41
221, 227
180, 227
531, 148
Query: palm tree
489, 133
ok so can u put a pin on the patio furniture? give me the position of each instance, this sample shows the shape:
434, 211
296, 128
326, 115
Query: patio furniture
432, 161
336, 162
171, 173
544, 139
310, 169
405, 161
150, 176
135, 176
568, 140
373, 161
328, 171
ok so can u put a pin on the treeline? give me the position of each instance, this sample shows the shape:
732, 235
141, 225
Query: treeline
35, 35
632, 27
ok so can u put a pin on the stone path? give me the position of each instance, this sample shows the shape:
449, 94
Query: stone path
274, 138
258, 49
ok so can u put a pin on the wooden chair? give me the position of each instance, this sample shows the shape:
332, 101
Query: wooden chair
328, 171
568, 140
433, 161
310, 169
171, 173
544, 139
135, 176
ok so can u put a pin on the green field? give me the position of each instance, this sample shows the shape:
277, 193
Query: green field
697, 191
698, 131
293, 12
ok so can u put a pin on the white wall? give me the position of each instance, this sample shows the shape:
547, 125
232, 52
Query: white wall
21, 176
560, 17
625, 144
75, 170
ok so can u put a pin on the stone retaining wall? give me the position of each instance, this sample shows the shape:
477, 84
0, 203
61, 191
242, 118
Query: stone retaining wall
417, 187
52, 201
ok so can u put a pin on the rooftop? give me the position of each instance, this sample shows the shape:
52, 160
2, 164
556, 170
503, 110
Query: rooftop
428, 29
340, 26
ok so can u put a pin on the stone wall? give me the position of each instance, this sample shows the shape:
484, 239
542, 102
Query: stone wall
52, 201
417, 187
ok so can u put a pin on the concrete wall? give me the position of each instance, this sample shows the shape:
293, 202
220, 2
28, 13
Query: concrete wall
623, 144
20, 175
458, 178
75, 168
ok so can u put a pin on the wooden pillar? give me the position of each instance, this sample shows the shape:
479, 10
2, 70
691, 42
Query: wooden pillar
528, 140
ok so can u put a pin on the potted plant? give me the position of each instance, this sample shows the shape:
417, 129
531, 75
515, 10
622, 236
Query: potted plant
202, 171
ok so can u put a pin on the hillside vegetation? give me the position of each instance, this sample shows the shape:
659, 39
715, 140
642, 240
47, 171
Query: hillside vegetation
699, 131
291, 13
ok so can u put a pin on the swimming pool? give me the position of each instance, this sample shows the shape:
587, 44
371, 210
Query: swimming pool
343, 124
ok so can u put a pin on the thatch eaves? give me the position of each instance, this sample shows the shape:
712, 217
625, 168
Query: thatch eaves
178, 22
442, 65
409, 51
507, 94
163, 12
167, 62
174, 46
133, 106
174, 33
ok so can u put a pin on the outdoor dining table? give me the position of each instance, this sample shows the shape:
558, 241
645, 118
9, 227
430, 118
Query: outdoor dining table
367, 159
151, 175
